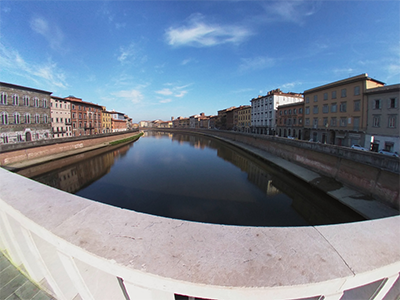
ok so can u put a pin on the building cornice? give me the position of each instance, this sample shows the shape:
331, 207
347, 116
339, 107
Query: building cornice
10, 85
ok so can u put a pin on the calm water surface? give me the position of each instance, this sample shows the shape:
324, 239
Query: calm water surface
196, 178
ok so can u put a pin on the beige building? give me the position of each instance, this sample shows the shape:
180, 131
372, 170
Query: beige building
336, 113
60, 111
106, 120
383, 131
244, 118
24, 114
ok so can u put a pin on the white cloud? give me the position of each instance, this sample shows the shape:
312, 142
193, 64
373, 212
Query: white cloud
131, 54
256, 63
165, 92
51, 32
165, 101
44, 74
291, 11
181, 94
198, 33
135, 95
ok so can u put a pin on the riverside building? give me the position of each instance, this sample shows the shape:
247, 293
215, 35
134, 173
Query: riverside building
85, 117
24, 114
263, 110
336, 113
60, 117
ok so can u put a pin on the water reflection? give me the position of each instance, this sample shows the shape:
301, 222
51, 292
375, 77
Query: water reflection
199, 179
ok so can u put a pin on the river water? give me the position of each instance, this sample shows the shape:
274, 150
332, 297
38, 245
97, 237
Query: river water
195, 178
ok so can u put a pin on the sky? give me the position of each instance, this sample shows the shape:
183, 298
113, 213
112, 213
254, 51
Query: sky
162, 59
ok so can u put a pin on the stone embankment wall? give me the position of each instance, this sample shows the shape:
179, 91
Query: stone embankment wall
368, 172
13, 153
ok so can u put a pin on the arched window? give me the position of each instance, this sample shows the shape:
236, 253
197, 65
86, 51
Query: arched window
17, 118
37, 118
3, 99
4, 138
45, 119
26, 100
27, 118
44, 103
4, 118
36, 102
15, 99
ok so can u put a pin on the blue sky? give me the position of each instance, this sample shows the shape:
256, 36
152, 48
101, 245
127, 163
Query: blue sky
157, 59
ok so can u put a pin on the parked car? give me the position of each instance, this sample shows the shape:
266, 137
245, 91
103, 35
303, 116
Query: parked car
386, 152
358, 147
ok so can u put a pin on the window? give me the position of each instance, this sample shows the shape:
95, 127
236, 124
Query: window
325, 96
333, 107
37, 119
73, 106
357, 105
392, 121
307, 122
343, 122
294, 111
392, 103
356, 123
307, 110
79, 107
356, 90
16, 118
333, 122
315, 109
27, 118
290, 111
376, 120
377, 104
343, 106
45, 119
15, 99
56, 120
300, 110
343, 93
307, 99
315, 122
26, 100
325, 122
3, 99
4, 118
36, 102
315, 98
333, 94
325, 108
285, 112
45, 103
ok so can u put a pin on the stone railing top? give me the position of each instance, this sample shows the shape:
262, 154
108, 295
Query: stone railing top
220, 255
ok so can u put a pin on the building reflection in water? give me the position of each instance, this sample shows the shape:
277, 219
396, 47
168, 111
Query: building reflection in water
213, 206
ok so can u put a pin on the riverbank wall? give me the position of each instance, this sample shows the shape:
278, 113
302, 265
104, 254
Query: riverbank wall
370, 173
16, 153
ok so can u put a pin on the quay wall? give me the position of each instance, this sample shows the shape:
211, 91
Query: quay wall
370, 173
14, 153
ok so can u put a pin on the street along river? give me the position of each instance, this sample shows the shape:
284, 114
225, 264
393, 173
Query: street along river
196, 178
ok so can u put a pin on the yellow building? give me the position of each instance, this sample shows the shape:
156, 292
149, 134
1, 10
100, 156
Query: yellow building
106, 120
244, 118
336, 113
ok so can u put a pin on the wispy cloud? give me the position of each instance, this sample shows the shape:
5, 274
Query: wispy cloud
290, 11
174, 90
131, 54
200, 34
256, 63
44, 74
134, 95
51, 32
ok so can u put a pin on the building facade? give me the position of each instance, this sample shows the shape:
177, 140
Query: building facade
85, 117
24, 114
336, 113
263, 110
118, 121
290, 120
60, 111
105, 120
383, 131
244, 119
